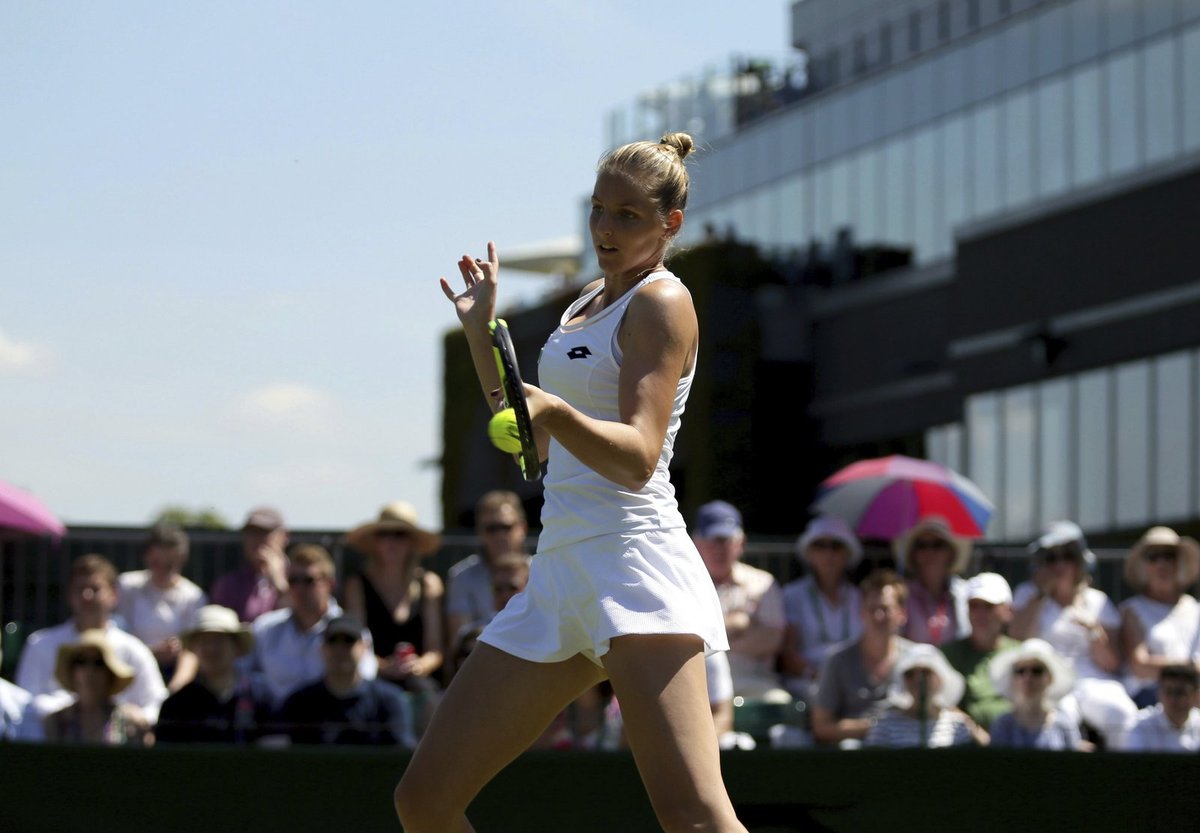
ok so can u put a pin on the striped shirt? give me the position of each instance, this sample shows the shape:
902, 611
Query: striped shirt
895, 729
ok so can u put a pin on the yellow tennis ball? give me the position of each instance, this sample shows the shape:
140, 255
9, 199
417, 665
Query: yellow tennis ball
502, 429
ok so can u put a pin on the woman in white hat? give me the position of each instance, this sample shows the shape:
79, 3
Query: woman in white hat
931, 557
89, 669
822, 607
399, 600
922, 713
1058, 604
1035, 678
1159, 625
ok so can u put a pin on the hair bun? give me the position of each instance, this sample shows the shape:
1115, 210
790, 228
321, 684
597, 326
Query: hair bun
681, 143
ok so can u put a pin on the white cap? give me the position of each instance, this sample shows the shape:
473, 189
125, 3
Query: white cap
991, 588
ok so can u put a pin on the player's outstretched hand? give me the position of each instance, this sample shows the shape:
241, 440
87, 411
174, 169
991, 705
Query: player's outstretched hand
476, 304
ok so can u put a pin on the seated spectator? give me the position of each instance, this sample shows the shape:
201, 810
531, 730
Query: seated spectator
90, 669
501, 527
342, 707
921, 712
260, 583
158, 603
751, 599
1034, 678
1173, 724
507, 576
931, 557
989, 607
92, 596
1080, 622
221, 705
18, 719
822, 608
400, 600
287, 642
1161, 623
853, 686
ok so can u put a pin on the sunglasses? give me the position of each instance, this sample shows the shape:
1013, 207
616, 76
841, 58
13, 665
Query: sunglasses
341, 639
1031, 670
301, 580
930, 544
88, 662
1057, 556
397, 534
1161, 554
913, 673
492, 529
829, 544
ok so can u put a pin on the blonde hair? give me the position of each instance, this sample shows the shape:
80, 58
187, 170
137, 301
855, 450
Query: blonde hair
657, 166
308, 555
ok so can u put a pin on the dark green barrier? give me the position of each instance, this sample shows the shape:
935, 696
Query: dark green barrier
225, 790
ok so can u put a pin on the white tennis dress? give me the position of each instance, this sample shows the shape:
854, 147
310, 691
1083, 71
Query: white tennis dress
610, 561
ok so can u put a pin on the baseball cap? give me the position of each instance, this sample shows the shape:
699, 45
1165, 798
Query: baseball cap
991, 588
267, 518
718, 519
344, 625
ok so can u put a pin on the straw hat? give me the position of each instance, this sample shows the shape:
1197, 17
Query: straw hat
397, 515
1061, 676
1187, 549
932, 525
218, 619
920, 655
828, 526
92, 640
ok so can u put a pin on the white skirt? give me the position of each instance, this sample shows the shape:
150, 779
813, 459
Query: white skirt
582, 595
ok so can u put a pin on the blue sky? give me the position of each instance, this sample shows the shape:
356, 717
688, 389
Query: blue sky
222, 225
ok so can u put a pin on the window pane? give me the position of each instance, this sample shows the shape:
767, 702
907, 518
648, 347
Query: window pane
1122, 114
897, 218
1173, 440
1052, 138
1017, 54
1120, 23
1087, 18
1158, 16
868, 206
1019, 486
1054, 404
985, 133
822, 200
984, 452
1191, 87
1050, 34
986, 71
927, 220
1094, 454
793, 217
955, 174
1158, 85
1087, 146
1133, 444
1018, 139
925, 92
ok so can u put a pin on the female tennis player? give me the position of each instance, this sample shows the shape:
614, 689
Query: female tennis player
617, 590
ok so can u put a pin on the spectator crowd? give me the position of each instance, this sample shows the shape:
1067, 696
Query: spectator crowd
912, 650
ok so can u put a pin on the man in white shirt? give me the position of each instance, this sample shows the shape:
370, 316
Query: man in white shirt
1173, 724
92, 595
751, 600
287, 642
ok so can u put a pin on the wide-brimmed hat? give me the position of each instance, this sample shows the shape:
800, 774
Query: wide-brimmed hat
397, 515
218, 619
828, 526
1063, 534
1062, 677
920, 655
92, 640
934, 525
1187, 560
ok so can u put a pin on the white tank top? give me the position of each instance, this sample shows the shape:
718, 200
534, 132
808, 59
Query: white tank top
581, 363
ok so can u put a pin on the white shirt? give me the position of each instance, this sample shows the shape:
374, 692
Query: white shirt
757, 593
35, 671
152, 614
1067, 628
287, 657
1152, 732
18, 719
1169, 631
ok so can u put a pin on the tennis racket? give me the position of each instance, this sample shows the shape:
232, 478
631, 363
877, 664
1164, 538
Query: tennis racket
514, 397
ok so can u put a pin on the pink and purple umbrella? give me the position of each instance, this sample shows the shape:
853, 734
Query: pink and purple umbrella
22, 511
885, 496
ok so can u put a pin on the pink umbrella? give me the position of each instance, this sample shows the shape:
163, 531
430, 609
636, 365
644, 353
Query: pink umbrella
885, 496
22, 511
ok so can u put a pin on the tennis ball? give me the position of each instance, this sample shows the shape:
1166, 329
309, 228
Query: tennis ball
502, 430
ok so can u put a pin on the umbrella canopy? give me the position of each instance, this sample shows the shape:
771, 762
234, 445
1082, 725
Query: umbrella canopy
22, 511
885, 496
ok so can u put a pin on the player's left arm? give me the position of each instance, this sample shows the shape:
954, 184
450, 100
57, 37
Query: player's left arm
658, 338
